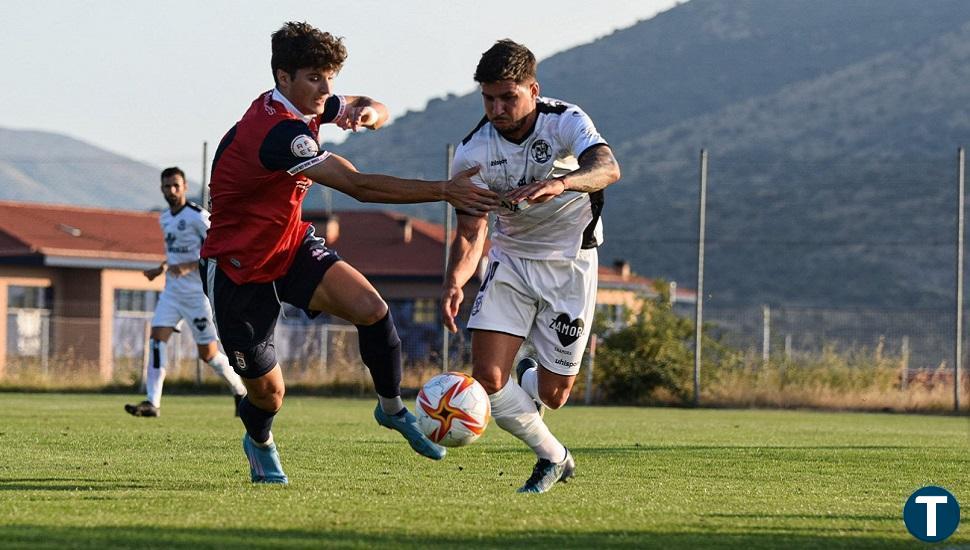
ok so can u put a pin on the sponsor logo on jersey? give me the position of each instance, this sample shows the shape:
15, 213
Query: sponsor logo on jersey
200, 323
498, 162
568, 331
541, 151
304, 146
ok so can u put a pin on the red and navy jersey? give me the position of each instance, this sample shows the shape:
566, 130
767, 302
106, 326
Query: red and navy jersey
257, 188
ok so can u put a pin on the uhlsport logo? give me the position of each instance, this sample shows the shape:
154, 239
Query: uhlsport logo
931, 514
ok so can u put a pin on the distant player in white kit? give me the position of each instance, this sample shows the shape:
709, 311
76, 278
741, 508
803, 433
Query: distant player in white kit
546, 160
184, 225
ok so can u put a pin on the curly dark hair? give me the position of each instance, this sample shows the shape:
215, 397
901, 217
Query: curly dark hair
506, 60
303, 46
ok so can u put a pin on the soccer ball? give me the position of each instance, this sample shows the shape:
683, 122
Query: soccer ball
453, 409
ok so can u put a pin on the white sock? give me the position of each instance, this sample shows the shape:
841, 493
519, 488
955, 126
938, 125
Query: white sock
156, 372
220, 364
530, 383
515, 412
391, 405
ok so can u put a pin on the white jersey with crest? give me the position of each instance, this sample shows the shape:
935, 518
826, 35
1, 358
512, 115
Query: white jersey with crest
556, 229
184, 233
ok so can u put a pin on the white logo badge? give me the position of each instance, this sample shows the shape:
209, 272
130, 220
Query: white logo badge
304, 146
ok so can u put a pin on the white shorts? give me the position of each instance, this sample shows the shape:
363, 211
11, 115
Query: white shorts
551, 302
194, 308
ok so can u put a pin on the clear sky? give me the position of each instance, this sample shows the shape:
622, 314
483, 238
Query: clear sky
154, 79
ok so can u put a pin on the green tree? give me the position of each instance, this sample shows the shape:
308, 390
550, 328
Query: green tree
651, 359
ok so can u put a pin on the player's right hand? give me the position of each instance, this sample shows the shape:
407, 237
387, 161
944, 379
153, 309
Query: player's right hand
451, 298
464, 195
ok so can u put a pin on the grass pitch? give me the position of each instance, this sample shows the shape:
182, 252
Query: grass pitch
77, 472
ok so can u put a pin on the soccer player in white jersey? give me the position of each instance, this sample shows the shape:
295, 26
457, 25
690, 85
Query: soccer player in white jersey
546, 160
184, 225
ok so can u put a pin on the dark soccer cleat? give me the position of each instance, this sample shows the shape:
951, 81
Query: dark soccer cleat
264, 462
524, 365
545, 474
405, 423
145, 408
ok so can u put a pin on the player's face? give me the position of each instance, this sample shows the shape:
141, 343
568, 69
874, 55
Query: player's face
308, 90
510, 106
173, 187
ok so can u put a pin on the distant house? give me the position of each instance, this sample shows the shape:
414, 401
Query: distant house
64, 271
68, 274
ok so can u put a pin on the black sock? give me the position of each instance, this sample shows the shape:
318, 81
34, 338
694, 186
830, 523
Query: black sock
257, 421
380, 348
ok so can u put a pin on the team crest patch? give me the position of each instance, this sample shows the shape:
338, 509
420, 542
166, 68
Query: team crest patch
568, 331
200, 323
181, 225
304, 146
541, 151
240, 360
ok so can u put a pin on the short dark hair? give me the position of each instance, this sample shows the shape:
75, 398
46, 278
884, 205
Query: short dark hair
506, 60
301, 46
173, 171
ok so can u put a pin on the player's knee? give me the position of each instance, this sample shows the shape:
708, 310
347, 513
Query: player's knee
208, 352
490, 378
369, 310
268, 397
554, 398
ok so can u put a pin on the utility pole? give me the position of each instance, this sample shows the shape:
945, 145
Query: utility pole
699, 306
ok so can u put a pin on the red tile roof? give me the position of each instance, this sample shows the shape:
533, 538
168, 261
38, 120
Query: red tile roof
373, 242
55, 230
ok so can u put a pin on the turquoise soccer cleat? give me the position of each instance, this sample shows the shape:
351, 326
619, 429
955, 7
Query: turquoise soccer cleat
545, 474
264, 462
407, 424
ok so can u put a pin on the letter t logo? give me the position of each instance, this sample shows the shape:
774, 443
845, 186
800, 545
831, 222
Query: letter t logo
931, 502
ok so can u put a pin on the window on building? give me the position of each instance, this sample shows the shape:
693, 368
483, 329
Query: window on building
425, 310
29, 297
614, 315
135, 300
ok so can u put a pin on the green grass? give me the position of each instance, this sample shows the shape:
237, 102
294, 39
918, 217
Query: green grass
76, 472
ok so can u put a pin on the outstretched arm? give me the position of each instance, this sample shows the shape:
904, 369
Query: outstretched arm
338, 173
597, 169
466, 251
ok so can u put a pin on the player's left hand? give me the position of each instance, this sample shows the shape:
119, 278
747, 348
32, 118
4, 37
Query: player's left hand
358, 117
537, 191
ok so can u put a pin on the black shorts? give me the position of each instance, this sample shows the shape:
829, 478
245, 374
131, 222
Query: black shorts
245, 315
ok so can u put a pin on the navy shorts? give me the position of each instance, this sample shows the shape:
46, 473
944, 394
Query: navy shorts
245, 315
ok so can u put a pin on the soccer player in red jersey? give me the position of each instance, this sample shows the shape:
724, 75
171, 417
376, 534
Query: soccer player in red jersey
259, 253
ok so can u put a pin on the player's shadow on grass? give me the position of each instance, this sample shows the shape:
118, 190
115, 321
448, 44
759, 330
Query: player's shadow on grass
65, 484
637, 448
847, 517
145, 535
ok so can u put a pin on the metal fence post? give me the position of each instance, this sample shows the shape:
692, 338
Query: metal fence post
765, 334
958, 352
699, 305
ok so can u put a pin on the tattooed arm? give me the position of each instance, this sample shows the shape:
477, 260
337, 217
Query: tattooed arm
597, 169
